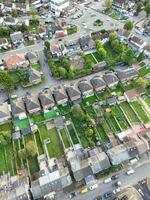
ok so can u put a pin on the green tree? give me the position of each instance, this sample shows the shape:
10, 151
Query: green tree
128, 25
71, 73
98, 44
6, 81
5, 138
15, 13
62, 72
113, 36
140, 57
78, 113
90, 132
47, 44
22, 154
147, 9
141, 82
139, 7
128, 56
108, 3
103, 52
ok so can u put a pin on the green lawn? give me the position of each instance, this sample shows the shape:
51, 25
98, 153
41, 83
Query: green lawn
138, 108
97, 56
54, 147
65, 138
64, 109
51, 114
37, 117
22, 124
129, 112
71, 30
36, 66
89, 58
7, 161
118, 90
110, 52
146, 98
121, 119
102, 133
39, 143
144, 71
89, 100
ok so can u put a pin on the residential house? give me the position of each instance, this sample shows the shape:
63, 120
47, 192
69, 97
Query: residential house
120, 5
32, 103
16, 61
53, 177
60, 96
137, 43
59, 5
126, 75
87, 43
17, 38
147, 50
55, 50
9, 21
34, 76
19, 188
36, 4
85, 88
60, 33
73, 93
22, 7
46, 99
135, 145
8, 7
4, 112
118, 154
86, 163
133, 94
18, 108
110, 79
29, 36
98, 84
72, 47
3, 43
124, 35
32, 57
43, 33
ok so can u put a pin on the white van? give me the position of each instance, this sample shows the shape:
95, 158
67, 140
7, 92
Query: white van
131, 171
108, 180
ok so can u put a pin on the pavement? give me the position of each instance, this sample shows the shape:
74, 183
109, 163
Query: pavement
141, 172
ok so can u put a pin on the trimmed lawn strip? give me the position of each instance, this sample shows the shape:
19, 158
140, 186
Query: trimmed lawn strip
51, 114
102, 133
72, 134
138, 108
16, 150
36, 66
39, 143
129, 112
120, 117
146, 98
144, 71
10, 159
55, 148
65, 138
3, 165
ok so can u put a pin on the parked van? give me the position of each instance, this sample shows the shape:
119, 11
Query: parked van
108, 180
131, 171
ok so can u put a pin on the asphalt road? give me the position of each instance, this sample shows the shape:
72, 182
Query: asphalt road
141, 186
141, 173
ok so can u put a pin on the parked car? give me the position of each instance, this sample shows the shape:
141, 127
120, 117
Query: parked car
72, 195
116, 190
98, 198
117, 184
107, 195
108, 180
114, 177
131, 171
93, 187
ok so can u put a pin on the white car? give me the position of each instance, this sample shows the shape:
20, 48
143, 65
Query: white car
93, 187
116, 191
131, 171
108, 180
